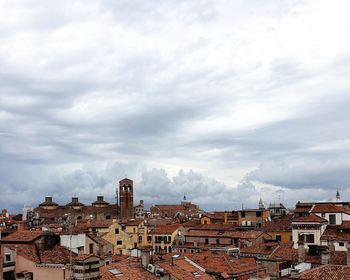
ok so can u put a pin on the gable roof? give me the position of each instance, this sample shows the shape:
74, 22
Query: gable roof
22, 236
56, 255
165, 229
312, 218
328, 208
325, 272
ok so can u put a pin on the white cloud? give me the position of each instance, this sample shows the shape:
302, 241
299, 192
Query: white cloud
220, 87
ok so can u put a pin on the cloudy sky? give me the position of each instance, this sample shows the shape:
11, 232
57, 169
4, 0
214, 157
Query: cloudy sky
225, 101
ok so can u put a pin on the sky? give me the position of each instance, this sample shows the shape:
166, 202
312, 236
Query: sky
223, 101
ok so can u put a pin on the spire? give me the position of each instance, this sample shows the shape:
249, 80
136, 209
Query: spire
261, 204
337, 196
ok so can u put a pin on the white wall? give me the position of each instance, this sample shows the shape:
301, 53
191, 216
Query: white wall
78, 240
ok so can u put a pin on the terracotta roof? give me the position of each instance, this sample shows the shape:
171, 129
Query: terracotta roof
260, 248
170, 207
312, 218
56, 255
226, 234
224, 265
303, 207
48, 203
333, 232
75, 203
328, 208
216, 227
99, 223
286, 252
325, 272
183, 270
345, 225
164, 229
130, 269
133, 222
283, 223
23, 236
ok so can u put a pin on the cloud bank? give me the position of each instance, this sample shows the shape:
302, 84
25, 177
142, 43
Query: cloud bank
223, 100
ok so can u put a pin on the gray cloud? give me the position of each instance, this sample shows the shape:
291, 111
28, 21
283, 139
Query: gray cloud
244, 95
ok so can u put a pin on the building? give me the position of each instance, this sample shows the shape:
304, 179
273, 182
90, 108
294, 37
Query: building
308, 229
126, 198
34, 255
163, 237
220, 217
280, 228
50, 212
253, 217
139, 211
184, 211
277, 210
86, 267
86, 243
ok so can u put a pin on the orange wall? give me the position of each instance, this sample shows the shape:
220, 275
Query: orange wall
39, 273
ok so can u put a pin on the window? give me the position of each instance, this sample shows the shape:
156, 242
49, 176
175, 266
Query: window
323, 215
140, 238
206, 241
307, 238
108, 217
91, 248
278, 237
243, 214
149, 238
258, 214
116, 231
332, 220
341, 244
217, 241
7, 257
119, 242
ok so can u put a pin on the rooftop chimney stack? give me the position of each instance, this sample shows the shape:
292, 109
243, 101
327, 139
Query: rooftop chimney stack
301, 251
325, 256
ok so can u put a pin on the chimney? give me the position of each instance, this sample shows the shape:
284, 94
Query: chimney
141, 202
301, 251
145, 257
325, 256
22, 225
331, 246
348, 254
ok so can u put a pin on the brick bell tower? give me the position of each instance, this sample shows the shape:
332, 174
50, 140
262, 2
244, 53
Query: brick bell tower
126, 198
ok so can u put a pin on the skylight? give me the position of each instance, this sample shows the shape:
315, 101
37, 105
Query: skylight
115, 272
